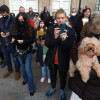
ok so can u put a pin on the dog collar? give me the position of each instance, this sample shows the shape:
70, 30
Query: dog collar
90, 56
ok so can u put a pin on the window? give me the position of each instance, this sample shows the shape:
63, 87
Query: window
15, 4
65, 4
98, 6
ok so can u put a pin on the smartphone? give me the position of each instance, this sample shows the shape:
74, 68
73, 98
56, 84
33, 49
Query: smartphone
62, 28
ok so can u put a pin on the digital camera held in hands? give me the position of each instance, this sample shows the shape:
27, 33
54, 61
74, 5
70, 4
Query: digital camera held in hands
62, 27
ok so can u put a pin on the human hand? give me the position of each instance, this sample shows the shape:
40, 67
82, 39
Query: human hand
7, 34
3, 35
63, 35
13, 40
56, 33
20, 41
38, 63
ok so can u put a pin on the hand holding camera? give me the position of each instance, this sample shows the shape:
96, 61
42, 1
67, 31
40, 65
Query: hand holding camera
63, 31
56, 33
63, 35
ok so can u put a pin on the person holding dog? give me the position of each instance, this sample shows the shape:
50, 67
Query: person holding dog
91, 89
58, 54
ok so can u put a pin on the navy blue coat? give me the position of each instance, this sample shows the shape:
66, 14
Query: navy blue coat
9, 29
39, 55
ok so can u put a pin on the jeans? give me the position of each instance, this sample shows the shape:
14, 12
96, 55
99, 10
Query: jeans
44, 69
6, 52
27, 71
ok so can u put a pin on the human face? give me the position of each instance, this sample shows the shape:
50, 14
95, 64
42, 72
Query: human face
5, 14
20, 18
21, 10
46, 9
60, 19
41, 24
43, 42
30, 9
87, 13
0, 16
73, 11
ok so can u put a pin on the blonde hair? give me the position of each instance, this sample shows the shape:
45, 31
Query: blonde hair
60, 11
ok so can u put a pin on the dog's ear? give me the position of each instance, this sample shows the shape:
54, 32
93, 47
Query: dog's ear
97, 49
81, 49
97, 46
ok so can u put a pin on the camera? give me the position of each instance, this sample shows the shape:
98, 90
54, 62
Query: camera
62, 27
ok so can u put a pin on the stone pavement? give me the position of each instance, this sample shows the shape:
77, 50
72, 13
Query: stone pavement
10, 89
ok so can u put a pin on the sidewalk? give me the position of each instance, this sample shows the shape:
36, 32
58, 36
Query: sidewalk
10, 89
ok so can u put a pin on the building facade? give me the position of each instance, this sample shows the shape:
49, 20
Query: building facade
53, 5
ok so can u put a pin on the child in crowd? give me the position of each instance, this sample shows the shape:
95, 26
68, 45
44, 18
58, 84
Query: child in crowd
36, 20
68, 22
40, 58
41, 31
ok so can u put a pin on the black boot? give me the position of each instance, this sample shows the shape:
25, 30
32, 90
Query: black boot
23, 83
31, 93
3, 65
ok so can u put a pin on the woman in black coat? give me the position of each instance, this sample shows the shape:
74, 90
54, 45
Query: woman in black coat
58, 54
84, 18
23, 38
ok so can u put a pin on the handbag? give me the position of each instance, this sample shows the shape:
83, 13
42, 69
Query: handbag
21, 53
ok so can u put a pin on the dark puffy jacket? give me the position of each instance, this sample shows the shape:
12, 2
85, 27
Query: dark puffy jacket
62, 46
86, 91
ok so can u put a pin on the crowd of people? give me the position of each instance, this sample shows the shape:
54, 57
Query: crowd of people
30, 32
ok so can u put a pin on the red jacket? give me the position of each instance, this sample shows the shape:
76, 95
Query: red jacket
32, 24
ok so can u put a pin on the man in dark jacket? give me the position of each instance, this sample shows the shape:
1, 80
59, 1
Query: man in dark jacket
31, 13
6, 26
74, 16
45, 16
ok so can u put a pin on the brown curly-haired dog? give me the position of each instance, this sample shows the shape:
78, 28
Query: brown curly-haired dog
88, 51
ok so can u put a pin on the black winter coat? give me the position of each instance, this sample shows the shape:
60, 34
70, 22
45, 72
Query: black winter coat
62, 46
27, 41
78, 27
45, 16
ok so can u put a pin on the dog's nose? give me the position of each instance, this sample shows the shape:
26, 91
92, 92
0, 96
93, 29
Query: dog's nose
90, 48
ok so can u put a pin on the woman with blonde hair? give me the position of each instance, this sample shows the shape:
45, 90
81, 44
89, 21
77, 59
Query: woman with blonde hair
58, 54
